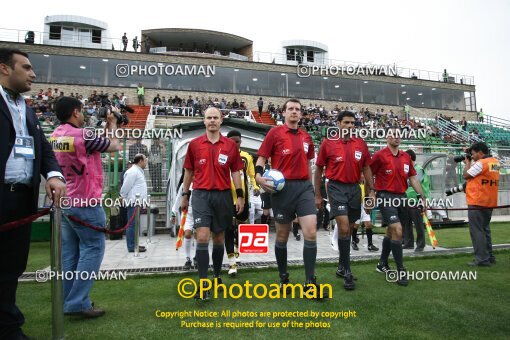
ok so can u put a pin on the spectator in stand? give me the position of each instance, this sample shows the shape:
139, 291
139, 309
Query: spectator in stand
124, 42
91, 110
235, 104
163, 101
463, 123
135, 44
156, 100
140, 91
123, 99
260, 104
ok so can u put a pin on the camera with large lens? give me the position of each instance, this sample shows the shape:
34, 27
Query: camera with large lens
460, 158
454, 190
106, 105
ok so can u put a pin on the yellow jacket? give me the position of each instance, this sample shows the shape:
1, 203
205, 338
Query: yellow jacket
250, 172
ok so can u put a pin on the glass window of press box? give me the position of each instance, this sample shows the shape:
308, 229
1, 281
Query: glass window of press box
60, 69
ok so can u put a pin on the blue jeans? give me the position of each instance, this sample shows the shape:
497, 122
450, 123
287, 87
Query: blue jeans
130, 232
82, 251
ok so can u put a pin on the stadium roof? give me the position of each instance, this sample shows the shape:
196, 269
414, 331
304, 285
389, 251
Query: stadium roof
187, 37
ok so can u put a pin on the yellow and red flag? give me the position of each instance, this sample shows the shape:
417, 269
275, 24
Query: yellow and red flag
430, 231
180, 235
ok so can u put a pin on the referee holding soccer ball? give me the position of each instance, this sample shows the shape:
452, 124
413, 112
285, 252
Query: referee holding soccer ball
291, 150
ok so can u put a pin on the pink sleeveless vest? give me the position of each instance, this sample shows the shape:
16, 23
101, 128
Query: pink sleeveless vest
83, 172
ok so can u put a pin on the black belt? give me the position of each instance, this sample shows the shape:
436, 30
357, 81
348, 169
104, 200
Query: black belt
12, 187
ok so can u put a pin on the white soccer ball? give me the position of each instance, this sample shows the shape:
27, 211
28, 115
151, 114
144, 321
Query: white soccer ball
276, 181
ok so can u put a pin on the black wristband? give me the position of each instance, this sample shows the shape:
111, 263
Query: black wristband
240, 193
186, 194
259, 169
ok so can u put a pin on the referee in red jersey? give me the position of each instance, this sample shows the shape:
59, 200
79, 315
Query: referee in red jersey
210, 160
392, 169
344, 158
291, 150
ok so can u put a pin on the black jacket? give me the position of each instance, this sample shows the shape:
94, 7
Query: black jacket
44, 161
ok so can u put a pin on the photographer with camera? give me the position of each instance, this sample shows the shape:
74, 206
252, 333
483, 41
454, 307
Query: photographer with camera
482, 176
79, 157
106, 106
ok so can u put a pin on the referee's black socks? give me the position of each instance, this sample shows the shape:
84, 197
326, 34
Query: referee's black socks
344, 247
369, 235
217, 258
280, 250
202, 256
386, 250
309, 258
396, 249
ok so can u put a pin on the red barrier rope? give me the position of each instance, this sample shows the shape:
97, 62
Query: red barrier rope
473, 208
477, 208
100, 229
25, 220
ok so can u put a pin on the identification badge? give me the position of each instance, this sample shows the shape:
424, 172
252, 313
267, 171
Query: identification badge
406, 168
305, 147
357, 155
24, 147
222, 159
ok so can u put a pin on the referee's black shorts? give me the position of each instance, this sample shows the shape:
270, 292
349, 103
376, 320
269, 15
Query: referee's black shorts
212, 209
345, 199
295, 199
393, 207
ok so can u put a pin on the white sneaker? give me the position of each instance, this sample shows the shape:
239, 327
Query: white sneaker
232, 271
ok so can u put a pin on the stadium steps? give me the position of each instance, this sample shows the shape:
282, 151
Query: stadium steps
138, 119
265, 119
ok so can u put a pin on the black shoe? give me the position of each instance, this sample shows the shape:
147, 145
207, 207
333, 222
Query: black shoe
195, 263
479, 264
492, 260
340, 272
298, 237
284, 279
313, 282
356, 239
402, 277
408, 247
187, 265
349, 281
418, 249
206, 295
354, 245
371, 247
382, 268
217, 281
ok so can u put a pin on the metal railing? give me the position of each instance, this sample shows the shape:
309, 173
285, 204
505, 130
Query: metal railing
71, 40
244, 114
405, 72
183, 111
454, 133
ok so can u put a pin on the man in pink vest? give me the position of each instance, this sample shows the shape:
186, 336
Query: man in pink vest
79, 155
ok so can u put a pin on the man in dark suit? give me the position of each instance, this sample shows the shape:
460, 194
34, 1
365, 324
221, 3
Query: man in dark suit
25, 155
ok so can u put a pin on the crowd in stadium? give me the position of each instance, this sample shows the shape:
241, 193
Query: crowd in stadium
315, 116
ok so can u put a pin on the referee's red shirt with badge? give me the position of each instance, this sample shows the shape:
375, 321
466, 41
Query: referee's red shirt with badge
391, 172
212, 163
289, 151
343, 159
